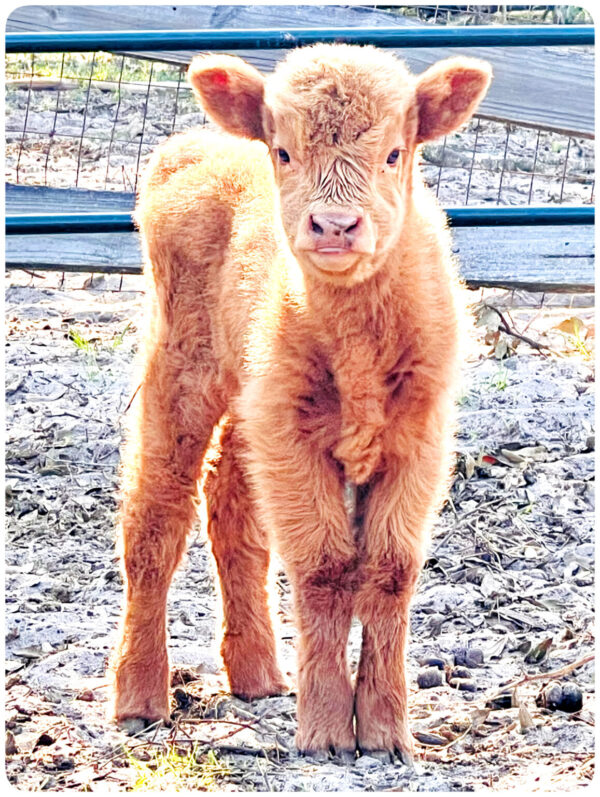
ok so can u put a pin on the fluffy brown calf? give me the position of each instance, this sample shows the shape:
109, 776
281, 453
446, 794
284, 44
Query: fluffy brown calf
327, 348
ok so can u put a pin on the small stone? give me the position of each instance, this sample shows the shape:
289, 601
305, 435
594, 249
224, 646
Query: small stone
430, 677
367, 762
502, 701
460, 672
572, 698
87, 695
44, 740
468, 657
463, 684
10, 746
555, 697
434, 661
550, 697
63, 762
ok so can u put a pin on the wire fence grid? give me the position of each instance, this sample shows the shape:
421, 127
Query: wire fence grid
484, 14
91, 120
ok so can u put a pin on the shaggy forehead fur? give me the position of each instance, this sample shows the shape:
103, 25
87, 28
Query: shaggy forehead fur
339, 92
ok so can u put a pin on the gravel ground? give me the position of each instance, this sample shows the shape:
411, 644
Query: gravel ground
507, 591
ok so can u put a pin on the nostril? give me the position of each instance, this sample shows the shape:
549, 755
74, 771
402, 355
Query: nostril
315, 227
353, 226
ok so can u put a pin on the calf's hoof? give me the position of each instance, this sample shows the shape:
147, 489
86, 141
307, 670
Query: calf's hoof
254, 688
141, 693
322, 756
136, 708
322, 744
388, 744
132, 726
390, 757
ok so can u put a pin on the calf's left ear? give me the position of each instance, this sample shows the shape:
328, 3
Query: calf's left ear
448, 94
231, 92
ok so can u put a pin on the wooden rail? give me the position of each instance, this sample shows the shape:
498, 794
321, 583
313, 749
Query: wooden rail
549, 258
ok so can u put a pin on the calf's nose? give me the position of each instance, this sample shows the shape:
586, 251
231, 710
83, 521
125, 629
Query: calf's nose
333, 229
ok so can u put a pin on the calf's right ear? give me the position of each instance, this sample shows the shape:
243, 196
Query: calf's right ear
231, 92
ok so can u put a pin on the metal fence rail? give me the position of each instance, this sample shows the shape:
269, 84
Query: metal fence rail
147, 40
458, 217
235, 39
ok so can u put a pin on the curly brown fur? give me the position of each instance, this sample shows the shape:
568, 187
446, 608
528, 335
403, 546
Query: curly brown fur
302, 285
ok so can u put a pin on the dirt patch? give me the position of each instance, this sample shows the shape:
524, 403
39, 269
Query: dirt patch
507, 591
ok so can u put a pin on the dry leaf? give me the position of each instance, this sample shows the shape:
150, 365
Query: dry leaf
571, 326
538, 653
525, 719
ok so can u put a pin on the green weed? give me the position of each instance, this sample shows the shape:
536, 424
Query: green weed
174, 771
88, 348
500, 379
80, 342
118, 337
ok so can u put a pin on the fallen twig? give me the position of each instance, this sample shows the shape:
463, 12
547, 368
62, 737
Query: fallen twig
542, 676
508, 331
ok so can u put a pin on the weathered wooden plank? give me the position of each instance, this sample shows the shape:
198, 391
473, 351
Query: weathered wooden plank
540, 86
24, 199
114, 252
558, 258
534, 258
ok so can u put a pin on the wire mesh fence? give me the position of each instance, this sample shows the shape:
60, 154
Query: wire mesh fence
91, 120
489, 14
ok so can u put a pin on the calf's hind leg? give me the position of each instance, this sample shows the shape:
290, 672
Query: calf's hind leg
240, 548
161, 466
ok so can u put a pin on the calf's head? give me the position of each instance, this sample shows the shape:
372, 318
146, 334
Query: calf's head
342, 124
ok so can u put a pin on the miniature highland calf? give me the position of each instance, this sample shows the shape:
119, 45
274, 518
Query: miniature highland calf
302, 299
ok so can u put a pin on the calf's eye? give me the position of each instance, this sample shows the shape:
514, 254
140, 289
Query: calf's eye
283, 156
392, 158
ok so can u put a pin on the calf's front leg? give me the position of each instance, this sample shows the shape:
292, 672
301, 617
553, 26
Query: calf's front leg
299, 490
320, 555
324, 597
397, 516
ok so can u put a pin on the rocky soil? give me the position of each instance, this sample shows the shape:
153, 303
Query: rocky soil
507, 592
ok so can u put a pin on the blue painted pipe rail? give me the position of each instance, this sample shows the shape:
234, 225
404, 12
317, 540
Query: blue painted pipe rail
69, 223
520, 216
459, 217
263, 39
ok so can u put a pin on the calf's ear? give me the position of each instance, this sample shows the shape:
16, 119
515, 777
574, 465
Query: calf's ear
231, 92
448, 94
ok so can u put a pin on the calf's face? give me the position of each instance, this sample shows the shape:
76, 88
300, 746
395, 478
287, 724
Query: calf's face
342, 124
